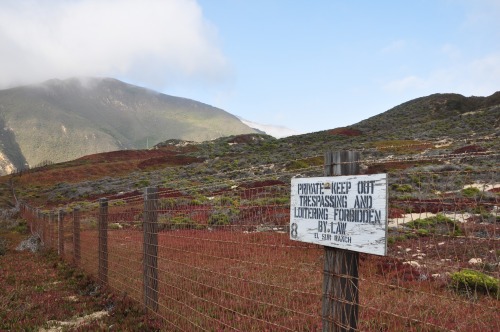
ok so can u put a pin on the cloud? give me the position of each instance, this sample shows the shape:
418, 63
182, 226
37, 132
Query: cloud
482, 13
483, 75
272, 130
158, 42
406, 83
479, 77
451, 51
394, 47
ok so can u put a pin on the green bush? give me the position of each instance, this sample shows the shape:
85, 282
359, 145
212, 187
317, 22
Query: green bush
402, 188
21, 227
182, 222
471, 192
142, 183
168, 203
226, 201
199, 200
218, 219
117, 202
416, 180
175, 222
297, 164
439, 224
423, 232
471, 280
115, 226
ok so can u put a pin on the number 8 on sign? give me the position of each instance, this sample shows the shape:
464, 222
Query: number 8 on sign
293, 231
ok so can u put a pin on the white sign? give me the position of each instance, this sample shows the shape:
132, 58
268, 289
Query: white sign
346, 212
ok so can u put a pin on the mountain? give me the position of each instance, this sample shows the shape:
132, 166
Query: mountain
442, 132
61, 120
437, 115
231, 195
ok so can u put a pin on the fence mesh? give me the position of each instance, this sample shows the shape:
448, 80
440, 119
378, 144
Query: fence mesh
217, 258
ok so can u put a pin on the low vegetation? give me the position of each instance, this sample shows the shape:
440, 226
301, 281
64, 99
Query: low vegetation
433, 259
39, 291
472, 281
438, 224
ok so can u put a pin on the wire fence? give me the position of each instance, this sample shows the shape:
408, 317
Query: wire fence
219, 257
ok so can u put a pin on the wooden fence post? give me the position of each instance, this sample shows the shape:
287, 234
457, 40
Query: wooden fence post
76, 235
51, 228
44, 229
340, 278
150, 244
103, 241
60, 232
35, 222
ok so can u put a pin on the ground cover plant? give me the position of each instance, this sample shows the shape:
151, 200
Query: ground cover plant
474, 281
38, 290
261, 279
241, 271
224, 254
248, 274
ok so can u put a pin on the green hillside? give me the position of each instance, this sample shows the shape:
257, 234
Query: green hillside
63, 120
223, 212
437, 115
415, 136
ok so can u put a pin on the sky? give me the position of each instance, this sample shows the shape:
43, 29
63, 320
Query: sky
300, 66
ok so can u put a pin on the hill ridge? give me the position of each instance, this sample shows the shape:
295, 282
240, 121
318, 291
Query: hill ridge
61, 120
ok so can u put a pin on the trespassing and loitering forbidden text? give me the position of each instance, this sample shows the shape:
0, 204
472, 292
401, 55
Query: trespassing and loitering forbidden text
348, 212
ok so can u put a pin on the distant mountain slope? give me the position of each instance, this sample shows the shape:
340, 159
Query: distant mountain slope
437, 115
62, 120
391, 142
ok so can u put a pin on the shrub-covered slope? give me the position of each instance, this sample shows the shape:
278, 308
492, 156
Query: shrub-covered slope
251, 157
63, 120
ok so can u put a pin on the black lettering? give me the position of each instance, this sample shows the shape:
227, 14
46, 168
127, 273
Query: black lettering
367, 216
341, 228
342, 238
363, 202
321, 226
310, 213
310, 188
366, 187
341, 188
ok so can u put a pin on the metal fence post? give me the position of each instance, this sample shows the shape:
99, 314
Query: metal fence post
76, 235
150, 260
340, 278
103, 241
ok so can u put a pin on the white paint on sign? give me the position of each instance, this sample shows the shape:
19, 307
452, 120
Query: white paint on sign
346, 212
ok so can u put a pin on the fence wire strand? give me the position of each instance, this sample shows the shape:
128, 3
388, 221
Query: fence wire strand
224, 259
